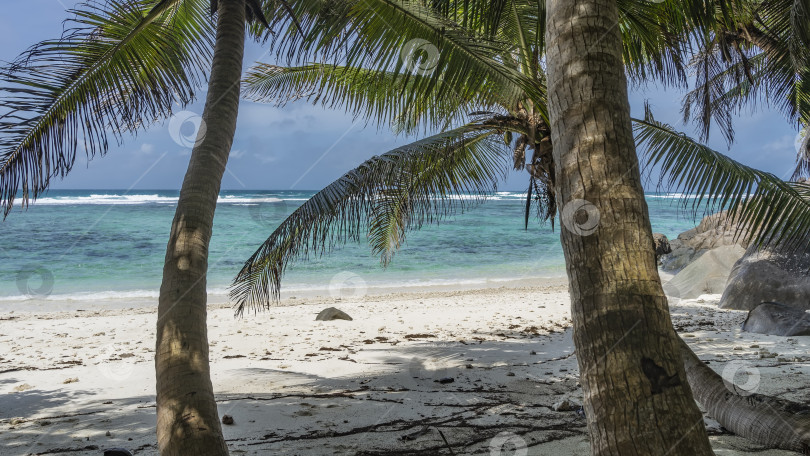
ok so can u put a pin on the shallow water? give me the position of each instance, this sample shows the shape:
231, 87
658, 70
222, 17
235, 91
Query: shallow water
103, 245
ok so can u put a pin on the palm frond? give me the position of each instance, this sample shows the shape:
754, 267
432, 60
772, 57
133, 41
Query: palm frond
408, 38
730, 89
308, 31
517, 23
752, 58
523, 23
381, 199
654, 37
789, 20
120, 66
379, 96
773, 211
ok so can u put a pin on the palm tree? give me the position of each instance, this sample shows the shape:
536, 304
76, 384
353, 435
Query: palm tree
388, 195
622, 328
122, 68
188, 422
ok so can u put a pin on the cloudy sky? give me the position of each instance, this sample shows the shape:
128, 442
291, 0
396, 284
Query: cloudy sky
305, 147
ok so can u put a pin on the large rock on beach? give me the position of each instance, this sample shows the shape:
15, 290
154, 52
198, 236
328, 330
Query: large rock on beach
769, 275
777, 319
716, 230
706, 275
331, 313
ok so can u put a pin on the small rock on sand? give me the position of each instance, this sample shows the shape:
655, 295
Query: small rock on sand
117, 452
332, 313
565, 405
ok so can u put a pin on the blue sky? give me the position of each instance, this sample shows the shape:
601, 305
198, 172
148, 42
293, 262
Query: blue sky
305, 147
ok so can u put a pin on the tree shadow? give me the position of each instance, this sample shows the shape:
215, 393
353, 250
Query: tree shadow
376, 398
38, 421
386, 399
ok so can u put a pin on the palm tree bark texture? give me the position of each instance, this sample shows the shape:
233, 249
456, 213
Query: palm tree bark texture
188, 422
637, 398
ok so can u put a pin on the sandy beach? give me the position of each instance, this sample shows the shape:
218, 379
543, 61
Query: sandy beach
81, 381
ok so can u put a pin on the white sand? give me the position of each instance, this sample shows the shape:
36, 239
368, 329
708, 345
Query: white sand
300, 387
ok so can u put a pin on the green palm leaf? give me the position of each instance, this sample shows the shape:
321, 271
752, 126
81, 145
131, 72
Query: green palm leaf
121, 66
454, 61
772, 210
380, 96
650, 50
751, 58
318, 29
382, 199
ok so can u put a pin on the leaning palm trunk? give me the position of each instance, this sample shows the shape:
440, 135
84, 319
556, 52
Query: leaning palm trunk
188, 422
637, 398
770, 421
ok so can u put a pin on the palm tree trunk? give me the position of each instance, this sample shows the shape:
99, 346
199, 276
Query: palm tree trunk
637, 398
188, 422
773, 422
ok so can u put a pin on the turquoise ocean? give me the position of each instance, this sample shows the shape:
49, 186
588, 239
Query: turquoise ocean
97, 247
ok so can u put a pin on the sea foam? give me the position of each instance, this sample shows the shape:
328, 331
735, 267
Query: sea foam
131, 200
